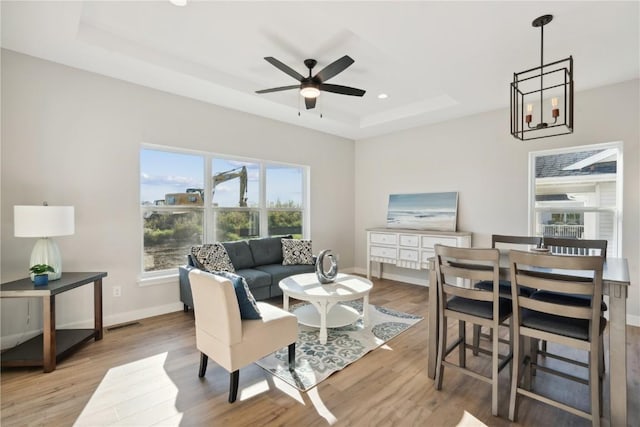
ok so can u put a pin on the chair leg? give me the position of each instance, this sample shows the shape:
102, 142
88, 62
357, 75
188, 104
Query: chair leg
292, 357
516, 363
494, 373
601, 366
442, 345
203, 364
462, 347
477, 330
594, 386
185, 308
233, 385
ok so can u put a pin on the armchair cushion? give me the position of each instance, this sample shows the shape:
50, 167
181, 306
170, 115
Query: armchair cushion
296, 251
246, 302
213, 257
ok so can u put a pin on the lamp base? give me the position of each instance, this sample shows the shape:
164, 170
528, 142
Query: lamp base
46, 251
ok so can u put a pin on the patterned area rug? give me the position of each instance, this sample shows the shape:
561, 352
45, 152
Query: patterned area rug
315, 362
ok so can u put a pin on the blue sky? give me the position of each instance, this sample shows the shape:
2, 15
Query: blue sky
163, 172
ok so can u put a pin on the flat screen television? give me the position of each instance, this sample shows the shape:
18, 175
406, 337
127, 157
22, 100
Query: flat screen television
423, 211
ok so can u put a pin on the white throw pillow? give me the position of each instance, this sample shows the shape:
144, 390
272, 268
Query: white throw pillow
213, 257
296, 251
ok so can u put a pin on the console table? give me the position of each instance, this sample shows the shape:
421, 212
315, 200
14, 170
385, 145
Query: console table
408, 248
53, 344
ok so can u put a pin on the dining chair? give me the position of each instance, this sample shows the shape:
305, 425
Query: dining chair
501, 241
567, 246
576, 326
456, 270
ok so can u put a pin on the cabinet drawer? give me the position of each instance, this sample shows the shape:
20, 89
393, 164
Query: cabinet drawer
431, 241
384, 239
408, 240
408, 255
383, 252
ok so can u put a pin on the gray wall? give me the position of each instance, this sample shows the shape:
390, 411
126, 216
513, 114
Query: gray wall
73, 138
477, 157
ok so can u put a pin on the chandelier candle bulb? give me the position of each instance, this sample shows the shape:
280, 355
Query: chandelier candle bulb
529, 113
555, 112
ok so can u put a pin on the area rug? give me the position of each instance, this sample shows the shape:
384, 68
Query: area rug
315, 362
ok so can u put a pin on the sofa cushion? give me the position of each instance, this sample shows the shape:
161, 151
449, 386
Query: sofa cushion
213, 257
255, 278
239, 253
296, 251
246, 302
279, 272
267, 250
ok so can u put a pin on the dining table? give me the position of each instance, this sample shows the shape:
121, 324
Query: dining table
616, 282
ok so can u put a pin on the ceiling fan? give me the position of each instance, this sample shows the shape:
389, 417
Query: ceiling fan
311, 86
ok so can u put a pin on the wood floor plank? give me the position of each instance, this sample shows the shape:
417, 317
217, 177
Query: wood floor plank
146, 374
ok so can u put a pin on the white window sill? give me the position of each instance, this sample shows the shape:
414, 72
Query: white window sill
160, 279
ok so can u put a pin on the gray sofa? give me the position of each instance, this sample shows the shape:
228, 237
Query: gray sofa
259, 261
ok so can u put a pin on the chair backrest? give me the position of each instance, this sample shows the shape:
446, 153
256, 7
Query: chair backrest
457, 269
575, 275
215, 307
499, 240
576, 246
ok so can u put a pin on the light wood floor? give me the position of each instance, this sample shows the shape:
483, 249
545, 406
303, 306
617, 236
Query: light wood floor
146, 374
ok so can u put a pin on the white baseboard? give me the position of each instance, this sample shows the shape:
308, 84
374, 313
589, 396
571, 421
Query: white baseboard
396, 277
633, 320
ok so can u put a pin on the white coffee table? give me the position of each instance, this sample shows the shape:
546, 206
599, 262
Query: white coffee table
324, 311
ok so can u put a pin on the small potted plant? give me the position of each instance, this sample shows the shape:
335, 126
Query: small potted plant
40, 274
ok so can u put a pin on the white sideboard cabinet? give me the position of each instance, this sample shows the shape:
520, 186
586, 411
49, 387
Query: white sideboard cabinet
408, 248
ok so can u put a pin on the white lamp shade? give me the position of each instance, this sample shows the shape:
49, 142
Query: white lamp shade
43, 221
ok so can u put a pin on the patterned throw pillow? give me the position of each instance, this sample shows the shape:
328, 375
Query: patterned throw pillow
246, 301
296, 251
213, 257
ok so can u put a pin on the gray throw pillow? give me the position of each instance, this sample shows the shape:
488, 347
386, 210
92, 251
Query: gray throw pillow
296, 251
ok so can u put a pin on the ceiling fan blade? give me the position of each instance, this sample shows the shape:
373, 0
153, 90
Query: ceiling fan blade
310, 103
284, 68
278, 89
342, 90
334, 68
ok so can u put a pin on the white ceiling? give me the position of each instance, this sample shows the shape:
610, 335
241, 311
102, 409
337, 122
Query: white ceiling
436, 60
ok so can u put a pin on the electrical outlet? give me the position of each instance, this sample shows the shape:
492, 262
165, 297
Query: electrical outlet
117, 291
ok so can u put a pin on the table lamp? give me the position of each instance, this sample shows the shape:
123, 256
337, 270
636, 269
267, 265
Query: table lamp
44, 222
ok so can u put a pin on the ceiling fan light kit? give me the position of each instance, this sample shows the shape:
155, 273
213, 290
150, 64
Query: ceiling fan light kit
311, 86
552, 82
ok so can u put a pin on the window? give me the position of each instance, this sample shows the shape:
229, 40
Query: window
577, 193
243, 199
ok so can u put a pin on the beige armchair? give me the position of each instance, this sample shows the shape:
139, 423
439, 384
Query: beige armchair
230, 341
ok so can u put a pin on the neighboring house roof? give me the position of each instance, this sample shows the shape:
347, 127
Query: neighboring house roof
556, 165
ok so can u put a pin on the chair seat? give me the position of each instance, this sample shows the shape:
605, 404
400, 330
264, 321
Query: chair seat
559, 325
566, 299
479, 308
505, 288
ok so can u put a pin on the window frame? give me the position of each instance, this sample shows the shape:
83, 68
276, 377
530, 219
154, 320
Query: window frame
617, 210
146, 278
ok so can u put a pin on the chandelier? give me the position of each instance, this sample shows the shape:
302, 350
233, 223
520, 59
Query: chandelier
542, 97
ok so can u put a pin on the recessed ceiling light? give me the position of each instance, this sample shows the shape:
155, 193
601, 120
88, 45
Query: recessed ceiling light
178, 2
383, 96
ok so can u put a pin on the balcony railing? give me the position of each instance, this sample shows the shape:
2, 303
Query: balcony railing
563, 230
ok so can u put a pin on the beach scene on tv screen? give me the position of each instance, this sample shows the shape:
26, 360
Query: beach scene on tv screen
423, 211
